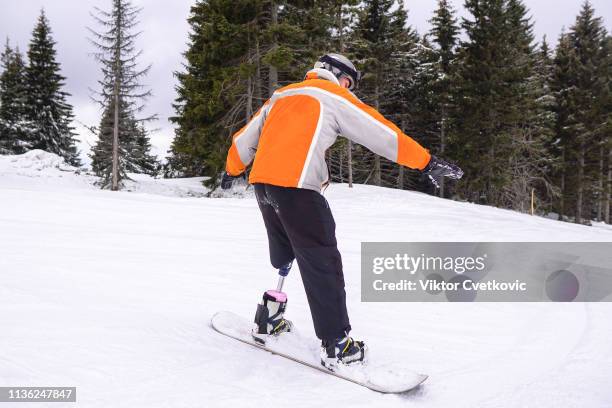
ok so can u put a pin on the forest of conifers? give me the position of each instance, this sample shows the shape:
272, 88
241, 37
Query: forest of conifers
528, 119
519, 114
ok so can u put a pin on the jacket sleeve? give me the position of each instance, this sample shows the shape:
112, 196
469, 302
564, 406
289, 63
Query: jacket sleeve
244, 143
365, 125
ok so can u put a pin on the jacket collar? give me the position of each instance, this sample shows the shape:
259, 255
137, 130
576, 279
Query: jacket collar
320, 73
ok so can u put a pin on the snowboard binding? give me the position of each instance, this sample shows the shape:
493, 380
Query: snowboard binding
343, 351
269, 320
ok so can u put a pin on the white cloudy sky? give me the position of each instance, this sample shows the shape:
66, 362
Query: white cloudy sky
164, 39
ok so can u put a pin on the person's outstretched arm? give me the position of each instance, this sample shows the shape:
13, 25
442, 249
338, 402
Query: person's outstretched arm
244, 143
363, 124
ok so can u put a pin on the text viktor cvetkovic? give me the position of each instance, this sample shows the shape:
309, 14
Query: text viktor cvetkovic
457, 265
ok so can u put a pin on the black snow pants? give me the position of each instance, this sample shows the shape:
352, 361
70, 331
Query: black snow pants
300, 226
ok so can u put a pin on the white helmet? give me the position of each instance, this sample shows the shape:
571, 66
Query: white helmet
341, 67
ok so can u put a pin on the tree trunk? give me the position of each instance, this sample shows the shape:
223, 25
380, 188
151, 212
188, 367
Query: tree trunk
349, 162
349, 144
340, 26
580, 191
249, 101
340, 155
608, 188
117, 67
442, 144
258, 80
377, 170
400, 177
562, 187
115, 170
600, 197
273, 74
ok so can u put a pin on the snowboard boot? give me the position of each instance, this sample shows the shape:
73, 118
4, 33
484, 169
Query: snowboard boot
342, 351
269, 320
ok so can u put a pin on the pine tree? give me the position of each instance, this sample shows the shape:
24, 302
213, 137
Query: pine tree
51, 115
530, 118
102, 152
420, 104
586, 37
478, 134
444, 32
221, 85
602, 132
15, 130
141, 160
238, 54
562, 83
606, 127
542, 121
382, 42
122, 146
497, 131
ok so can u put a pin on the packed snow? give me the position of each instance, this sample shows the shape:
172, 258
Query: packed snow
112, 292
378, 372
49, 172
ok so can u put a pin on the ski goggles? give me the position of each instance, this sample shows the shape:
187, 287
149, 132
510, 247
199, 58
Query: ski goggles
354, 74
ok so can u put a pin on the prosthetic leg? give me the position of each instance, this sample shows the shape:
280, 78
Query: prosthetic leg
269, 320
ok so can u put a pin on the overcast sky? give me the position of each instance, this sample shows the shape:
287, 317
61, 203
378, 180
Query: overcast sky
164, 39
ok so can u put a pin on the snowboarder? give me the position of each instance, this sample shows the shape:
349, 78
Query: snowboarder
286, 140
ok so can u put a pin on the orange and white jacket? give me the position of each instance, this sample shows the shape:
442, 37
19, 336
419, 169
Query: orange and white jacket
289, 135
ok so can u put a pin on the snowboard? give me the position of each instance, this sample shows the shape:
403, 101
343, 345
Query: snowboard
378, 376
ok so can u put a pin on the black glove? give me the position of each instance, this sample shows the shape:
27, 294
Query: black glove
438, 168
227, 180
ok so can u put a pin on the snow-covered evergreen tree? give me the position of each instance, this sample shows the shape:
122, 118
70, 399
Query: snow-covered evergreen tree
236, 58
529, 116
497, 131
562, 84
139, 152
580, 85
444, 33
208, 106
102, 152
134, 150
47, 108
606, 128
542, 125
481, 94
15, 130
604, 132
586, 36
414, 108
122, 145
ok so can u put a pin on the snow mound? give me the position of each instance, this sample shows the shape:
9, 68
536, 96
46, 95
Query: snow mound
40, 170
240, 189
181, 187
37, 160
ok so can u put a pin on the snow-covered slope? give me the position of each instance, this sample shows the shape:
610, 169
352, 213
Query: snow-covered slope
45, 171
113, 292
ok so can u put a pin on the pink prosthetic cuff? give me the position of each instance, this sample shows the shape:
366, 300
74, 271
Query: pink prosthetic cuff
280, 297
